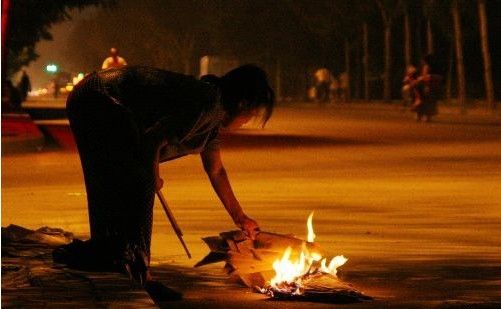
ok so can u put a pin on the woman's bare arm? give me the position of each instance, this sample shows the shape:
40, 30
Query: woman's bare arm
214, 168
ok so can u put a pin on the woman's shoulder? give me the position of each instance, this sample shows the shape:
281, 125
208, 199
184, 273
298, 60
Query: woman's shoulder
164, 84
147, 75
153, 73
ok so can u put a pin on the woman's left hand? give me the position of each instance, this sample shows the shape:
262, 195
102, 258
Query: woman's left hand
159, 183
249, 226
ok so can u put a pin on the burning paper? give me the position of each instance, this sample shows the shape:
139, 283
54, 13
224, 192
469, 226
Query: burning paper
290, 273
282, 266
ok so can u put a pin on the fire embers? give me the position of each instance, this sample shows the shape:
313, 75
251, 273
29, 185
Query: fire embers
317, 287
282, 266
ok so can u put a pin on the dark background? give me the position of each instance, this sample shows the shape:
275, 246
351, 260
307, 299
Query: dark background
295, 36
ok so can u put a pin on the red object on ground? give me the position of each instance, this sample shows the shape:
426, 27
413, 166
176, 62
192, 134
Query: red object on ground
17, 124
20, 133
5, 26
60, 131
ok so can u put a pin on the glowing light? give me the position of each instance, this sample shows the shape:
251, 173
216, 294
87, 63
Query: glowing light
38, 92
289, 272
77, 78
51, 68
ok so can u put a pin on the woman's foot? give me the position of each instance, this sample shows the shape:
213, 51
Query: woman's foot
136, 266
84, 255
91, 255
161, 293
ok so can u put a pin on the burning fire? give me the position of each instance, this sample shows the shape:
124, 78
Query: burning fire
290, 273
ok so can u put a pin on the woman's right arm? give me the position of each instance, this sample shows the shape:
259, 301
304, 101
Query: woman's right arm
214, 168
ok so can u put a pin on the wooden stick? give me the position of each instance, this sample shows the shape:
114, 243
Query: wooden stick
173, 222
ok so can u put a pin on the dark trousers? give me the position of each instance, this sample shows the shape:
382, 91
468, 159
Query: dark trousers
119, 180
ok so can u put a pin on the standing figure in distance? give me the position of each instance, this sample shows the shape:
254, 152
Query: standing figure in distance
114, 60
429, 89
24, 86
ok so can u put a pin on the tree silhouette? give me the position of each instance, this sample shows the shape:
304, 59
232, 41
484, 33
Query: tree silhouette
29, 21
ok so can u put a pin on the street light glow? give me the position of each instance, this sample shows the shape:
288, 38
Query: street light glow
51, 68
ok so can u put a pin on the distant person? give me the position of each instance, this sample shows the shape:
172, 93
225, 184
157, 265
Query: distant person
114, 60
429, 88
322, 84
11, 97
343, 87
334, 89
24, 86
125, 127
56, 86
311, 93
410, 95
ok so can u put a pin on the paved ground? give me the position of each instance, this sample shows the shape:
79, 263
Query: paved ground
414, 206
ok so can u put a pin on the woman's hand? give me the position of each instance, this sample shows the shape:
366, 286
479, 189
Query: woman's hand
249, 226
159, 183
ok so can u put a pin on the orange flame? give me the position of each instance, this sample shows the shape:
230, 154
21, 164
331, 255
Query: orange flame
291, 272
309, 226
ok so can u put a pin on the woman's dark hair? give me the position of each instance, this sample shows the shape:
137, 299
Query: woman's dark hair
245, 89
211, 79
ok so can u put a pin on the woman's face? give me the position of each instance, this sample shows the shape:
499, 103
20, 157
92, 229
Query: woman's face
240, 120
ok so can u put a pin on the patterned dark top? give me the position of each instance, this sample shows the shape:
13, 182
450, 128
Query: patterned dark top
186, 111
